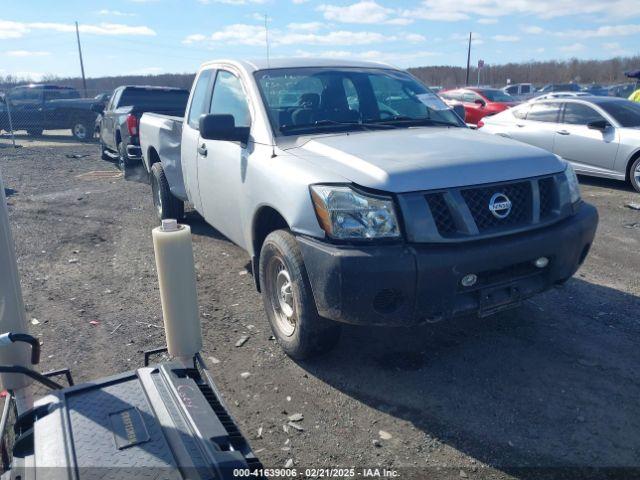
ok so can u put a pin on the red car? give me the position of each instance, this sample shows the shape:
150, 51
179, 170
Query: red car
480, 102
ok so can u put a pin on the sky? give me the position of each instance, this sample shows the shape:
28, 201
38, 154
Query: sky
120, 37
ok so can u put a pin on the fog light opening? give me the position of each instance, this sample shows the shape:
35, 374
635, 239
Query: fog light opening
469, 280
541, 262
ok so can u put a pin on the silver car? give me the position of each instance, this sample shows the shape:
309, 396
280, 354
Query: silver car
599, 136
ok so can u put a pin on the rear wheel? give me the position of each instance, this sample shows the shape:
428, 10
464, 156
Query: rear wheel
81, 130
167, 206
288, 299
634, 174
122, 157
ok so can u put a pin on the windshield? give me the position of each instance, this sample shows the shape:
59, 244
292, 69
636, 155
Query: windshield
496, 95
315, 100
627, 114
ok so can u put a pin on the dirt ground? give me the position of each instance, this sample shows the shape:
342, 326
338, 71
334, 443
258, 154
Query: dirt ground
550, 390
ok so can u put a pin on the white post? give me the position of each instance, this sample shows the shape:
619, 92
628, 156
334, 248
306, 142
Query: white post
12, 313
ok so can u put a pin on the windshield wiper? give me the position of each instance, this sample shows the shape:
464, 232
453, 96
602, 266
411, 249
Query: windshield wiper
333, 123
403, 119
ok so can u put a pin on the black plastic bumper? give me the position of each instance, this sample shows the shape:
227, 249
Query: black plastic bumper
134, 152
408, 284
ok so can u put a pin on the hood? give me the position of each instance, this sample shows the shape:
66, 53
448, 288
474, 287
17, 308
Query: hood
406, 160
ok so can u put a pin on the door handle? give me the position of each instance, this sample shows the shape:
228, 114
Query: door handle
563, 132
202, 150
520, 125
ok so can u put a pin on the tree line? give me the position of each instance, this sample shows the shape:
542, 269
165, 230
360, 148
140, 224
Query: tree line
605, 72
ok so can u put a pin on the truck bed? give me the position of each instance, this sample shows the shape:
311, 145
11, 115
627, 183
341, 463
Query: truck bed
162, 134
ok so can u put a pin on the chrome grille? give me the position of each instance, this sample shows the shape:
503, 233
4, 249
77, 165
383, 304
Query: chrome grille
546, 186
441, 214
470, 206
477, 200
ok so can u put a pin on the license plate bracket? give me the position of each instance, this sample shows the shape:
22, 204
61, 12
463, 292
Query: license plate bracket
496, 299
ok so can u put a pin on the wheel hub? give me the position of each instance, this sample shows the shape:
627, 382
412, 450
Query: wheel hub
281, 292
79, 131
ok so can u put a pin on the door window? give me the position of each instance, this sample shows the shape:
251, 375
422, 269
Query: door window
512, 90
199, 102
229, 98
544, 112
469, 97
521, 112
525, 89
579, 114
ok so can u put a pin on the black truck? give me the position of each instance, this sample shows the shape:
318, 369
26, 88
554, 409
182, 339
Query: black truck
119, 133
36, 108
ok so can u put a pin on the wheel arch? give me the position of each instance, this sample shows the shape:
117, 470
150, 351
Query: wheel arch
265, 220
632, 158
150, 158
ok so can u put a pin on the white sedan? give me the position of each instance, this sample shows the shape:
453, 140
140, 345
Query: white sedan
599, 136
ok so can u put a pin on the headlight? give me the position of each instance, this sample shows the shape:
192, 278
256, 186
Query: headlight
572, 181
344, 213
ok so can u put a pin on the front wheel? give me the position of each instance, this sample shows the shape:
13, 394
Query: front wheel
288, 299
634, 174
167, 206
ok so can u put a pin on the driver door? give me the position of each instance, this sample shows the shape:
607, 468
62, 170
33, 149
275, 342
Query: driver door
588, 149
222, 164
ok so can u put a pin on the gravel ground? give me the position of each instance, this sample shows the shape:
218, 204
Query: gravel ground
546, 391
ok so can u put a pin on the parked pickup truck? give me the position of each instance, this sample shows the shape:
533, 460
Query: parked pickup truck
362, 198
119, 119
36, 108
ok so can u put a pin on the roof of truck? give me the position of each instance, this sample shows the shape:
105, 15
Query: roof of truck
263, 64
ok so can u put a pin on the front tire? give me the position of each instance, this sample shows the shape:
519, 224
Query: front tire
35, 132
634, 174
288, 299
167, 206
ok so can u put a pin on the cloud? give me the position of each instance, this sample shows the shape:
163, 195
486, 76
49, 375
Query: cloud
9, 29
466, 9
506, 38
370, 55
307, 27
26, 53
232, 2
574, 47
194, 38
365, 11
614, 48
603, 31
254, 35
114, 13
487, 21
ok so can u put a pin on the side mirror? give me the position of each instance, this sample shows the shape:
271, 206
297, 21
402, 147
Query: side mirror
601, 125
480, 102
97, 108
222, 127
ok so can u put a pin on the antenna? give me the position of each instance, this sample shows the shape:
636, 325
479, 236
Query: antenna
266, 36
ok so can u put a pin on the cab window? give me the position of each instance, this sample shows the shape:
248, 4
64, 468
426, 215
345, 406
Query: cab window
229, 98
199, 100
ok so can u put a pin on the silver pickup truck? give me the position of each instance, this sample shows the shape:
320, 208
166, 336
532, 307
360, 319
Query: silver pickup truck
362, 198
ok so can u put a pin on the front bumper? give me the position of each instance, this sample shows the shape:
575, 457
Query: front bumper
408, 284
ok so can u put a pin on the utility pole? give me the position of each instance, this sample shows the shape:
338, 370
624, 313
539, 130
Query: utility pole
84, 80
468, 60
